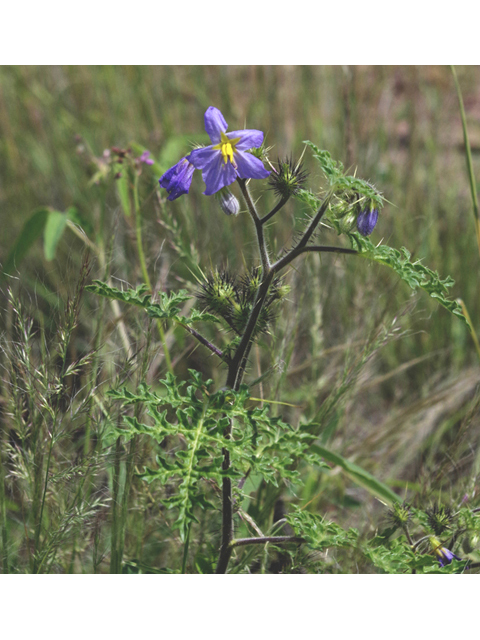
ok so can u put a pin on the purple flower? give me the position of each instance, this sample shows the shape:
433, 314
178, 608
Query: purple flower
444, 555
227, 159
178, 179
145, 159
366, 221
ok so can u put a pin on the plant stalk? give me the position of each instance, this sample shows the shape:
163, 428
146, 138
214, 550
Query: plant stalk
238, 362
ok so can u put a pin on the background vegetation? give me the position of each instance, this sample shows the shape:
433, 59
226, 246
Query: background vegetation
398, 374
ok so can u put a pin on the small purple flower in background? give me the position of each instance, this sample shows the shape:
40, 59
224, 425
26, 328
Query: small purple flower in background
145, 159
366, 221
444, 555
178, 179
227, 159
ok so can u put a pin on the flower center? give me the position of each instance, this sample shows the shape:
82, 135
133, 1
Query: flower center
227, 147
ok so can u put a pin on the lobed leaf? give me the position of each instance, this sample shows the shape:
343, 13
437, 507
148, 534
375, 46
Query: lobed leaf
415, 274
166, 308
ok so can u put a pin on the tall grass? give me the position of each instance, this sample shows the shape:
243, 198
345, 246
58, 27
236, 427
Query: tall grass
396, 377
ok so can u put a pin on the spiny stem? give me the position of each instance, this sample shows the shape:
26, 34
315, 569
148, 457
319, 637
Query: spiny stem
237, 365
315, 220
227, 513
409, 538
297, 251
419, 542
276, 208
203, 341
262, 245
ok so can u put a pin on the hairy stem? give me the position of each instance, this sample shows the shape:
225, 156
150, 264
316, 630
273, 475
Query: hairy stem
227, 514
276, 208
297, 251
238, 363
262, 245
203, 341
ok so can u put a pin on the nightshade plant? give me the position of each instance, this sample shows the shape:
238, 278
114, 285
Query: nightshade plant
223, 436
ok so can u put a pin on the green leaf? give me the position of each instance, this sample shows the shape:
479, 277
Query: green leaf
74, 215
357, 474
32, 230
319, 532
166, 308
259, 444
53, 231
139, 296
415, 274
343, 184
349, 191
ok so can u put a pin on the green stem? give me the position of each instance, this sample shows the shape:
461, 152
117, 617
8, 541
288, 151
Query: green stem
468, 156
185, 550
242, 542
38, 527
115, 508
129, 469
473, 333
143, 266
3, 508
121, 524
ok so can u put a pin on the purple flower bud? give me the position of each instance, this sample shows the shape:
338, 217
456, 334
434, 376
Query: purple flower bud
444, 555
366, 221
228, 202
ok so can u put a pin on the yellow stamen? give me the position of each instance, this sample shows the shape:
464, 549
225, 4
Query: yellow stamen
227, 152
227, 147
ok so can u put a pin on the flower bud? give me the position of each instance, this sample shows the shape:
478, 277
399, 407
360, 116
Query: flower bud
400, 514
288, 179
439, 518
366, 221
347, 222
228, 202
444, 555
